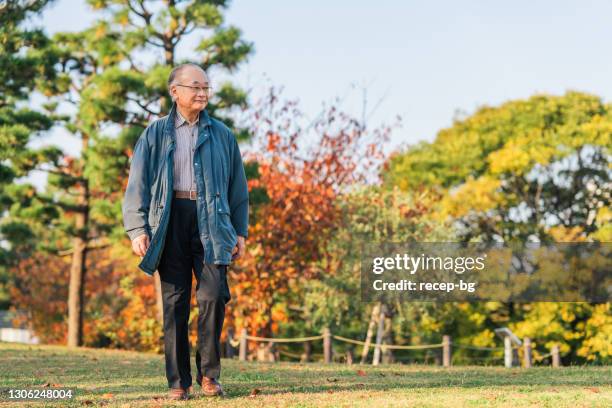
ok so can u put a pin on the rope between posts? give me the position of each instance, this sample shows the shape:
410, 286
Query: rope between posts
465, 346
361, 343
286, 340
388, 346
289, 354
483, 358
236, 343
540, 358
418, 347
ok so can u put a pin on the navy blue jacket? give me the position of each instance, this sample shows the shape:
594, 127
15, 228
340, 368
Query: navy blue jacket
222, 193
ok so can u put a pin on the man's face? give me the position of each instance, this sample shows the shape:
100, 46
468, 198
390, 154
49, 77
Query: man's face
189, 89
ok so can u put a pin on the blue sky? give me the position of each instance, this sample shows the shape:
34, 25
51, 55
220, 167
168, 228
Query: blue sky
425, 60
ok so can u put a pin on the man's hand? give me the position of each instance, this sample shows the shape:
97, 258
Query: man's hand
239, 249
140, 244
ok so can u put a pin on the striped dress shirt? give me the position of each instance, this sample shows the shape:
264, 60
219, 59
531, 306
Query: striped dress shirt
186, 136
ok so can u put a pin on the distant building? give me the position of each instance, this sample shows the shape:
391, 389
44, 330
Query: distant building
8, 332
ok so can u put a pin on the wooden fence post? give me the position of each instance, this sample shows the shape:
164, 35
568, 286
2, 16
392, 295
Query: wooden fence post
305, 357
527, 357
349, 355
243, 345
556, 359
327, 351
229, 350
508, 352
446, 351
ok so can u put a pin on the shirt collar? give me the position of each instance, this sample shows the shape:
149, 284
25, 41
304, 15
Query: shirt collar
179, 120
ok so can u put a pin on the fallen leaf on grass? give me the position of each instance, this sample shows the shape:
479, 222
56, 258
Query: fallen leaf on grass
593, 389
107, 395
254, 392
48, 384
330, 392
361, 373
332, 379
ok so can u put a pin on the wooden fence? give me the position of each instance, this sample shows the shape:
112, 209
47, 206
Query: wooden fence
510, 352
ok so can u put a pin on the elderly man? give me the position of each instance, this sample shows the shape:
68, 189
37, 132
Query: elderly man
186, 208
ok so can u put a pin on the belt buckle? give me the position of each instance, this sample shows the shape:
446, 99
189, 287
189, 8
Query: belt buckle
194, 195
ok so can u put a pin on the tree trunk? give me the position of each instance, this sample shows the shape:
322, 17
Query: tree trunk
370, 333
76, 290
387, 356
379, 335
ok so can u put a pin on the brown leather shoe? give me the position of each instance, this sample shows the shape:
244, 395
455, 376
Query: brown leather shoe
177, 394
211, 387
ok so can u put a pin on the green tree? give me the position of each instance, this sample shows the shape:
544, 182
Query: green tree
149, 36
534, 168
22, 66
528, 169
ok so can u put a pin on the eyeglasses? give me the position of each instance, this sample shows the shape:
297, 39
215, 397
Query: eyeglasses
196, 89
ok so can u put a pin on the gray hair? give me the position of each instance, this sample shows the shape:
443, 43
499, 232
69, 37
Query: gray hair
177, 70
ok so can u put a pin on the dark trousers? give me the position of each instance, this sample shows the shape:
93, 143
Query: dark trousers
182, 254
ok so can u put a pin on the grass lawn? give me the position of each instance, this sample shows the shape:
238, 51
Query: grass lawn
130, 379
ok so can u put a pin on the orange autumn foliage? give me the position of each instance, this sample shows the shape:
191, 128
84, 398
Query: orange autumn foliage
292, 226
120, 309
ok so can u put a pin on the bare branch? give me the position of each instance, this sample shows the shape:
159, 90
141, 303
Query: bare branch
94, 246
153, 42
144, 107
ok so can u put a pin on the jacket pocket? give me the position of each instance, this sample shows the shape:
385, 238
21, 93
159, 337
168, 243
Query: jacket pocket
158, 199
156, 206
224, 224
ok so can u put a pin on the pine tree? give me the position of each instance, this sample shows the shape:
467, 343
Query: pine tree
154, 32
22, 67
106, 97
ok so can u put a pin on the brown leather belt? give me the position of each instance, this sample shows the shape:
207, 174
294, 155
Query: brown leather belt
192, 194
